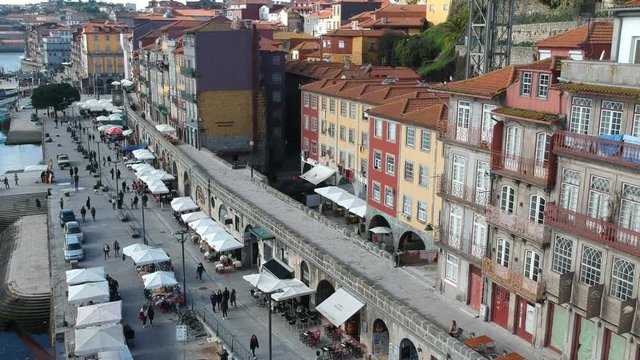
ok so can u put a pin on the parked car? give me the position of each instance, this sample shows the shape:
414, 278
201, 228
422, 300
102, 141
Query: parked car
63, 161
27, 106
66, 215
73, 249
34, 117
73, 228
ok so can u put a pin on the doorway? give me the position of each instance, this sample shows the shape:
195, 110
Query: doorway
475, 287
584, 339
526, 314
500, 306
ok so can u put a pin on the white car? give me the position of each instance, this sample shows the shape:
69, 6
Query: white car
72, 249
26, 106
73, 228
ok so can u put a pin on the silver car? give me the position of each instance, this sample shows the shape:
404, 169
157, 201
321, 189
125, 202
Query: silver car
73, 228
72, 249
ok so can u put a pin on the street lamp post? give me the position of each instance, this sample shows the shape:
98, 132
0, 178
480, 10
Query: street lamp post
184, 276
251, 144
144, 234
99, 161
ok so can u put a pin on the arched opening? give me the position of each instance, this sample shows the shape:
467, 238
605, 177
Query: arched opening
380, 338
411, 241
323, 291
408, 350
222, 214
99, 86
304, 277
380, 232
251, 239
174, 169
186, 186
212, 205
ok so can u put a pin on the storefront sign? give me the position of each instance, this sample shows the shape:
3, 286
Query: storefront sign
181, 332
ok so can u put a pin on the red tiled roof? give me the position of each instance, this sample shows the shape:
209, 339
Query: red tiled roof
630, 4
95, 28
324, 70
485, 86
359, 33
394, 22
591, 33
552, 63
197, 12
269, 45
600, 89
527, 114
417, 111
307, 45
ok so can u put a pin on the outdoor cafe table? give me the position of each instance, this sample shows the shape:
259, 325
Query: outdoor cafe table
510, 356
477, 342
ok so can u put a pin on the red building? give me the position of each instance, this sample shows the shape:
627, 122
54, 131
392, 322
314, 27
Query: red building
309, 125
384, 157
591, 41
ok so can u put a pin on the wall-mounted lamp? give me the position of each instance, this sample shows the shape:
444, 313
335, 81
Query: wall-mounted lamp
419, 349
430, 227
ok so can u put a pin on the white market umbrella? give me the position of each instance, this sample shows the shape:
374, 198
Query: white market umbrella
347, 200
34, 168
380, 230
100, 338
163, 175
159, 279
127, 132
79, 276
122, 354
193, 216
116, 111
143, 154
103, 127
183, 204
265, 282
149, 178
209, 228
295, 288
96, 292
126, 82
197, 223
115, 117
359, 210
102, 117
99, 314
165, 129
226, 243
96, 108
150, 256
158, 189
328, 191
129, 250
141, 167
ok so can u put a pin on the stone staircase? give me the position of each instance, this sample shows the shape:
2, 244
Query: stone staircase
12, 207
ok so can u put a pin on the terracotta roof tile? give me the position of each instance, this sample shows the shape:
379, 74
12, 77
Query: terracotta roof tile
591, 33
269, 45
360, 33
552, 63
308, 45
486, 86
600, 89
411, 110
324, 70
633, 3
527, 114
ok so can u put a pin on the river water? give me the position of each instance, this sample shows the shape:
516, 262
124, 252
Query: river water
16, 157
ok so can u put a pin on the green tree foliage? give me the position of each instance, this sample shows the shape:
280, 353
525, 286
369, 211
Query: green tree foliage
57, 96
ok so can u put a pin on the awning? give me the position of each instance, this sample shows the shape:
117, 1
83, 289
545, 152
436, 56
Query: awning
193, 216
261, 233
295, 288
133, 147
339, 307
278, 269
183, 204
122, 354
159, 279
380, 230
318, 174
143, 154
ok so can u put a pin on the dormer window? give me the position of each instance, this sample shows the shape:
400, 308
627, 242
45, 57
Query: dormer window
543, 86
525, 87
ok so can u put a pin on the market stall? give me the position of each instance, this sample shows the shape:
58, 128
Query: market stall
99, 314
97, 292
81, 276
93, 340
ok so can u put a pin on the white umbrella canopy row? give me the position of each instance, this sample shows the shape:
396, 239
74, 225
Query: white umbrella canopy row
159, 279
129, 250
80, 276
143, 154
193, 216
93, 340
183, 204
99, 314
96, 292
149, 256
157, 187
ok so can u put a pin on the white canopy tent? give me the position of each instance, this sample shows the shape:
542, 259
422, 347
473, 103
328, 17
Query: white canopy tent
380, 230
318, 174
157, 187
359, 210
154, 174
80, 276
122, 354
342, 197
295, 288
143, 154
142, 167
159, 279
339, 307
148, 177
224, 242
165, 129
100, 338
328, 191
150, 256
265, 282
96, 292
102, 118
115, 117
33, 168
193, 216
127, 132
197, 223
129, 250
183, 204
209, 229
99, 314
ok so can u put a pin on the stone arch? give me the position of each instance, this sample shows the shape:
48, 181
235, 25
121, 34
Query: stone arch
174, 168
380, 239
323, 291
305, 276
186, 186
378, 220
380, 338
222, 213
408, 351
212, 205
411, 241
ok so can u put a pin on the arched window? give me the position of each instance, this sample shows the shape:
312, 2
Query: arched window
503, 253
531, 265
513, 142
536, 209
507, 198
591, 266
562, 255
622, 278
457, 180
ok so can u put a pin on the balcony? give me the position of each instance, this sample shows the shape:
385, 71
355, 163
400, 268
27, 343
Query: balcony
143, 79
593, 229
513, 281
597, 148
473, 137
542, 173
518, 225
186, 96
464, 247
465, 194
188, 72
163, 109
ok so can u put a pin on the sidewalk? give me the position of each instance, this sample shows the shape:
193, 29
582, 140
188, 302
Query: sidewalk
159, 341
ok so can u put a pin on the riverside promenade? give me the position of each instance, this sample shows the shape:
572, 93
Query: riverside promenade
22, 130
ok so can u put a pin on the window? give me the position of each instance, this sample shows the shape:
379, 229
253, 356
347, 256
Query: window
622, 278
314, 124
410, 137
323, 150
580, 115
590, 266
636, 56
507, 198
364, 140
531, 265
630, 207
543, 145
306, 100
324, 104
408, 171
350, 161
598, 206
332, 105
406, 205
425, 140
364, 167
451, 272
352, 110
512, 146
486, 134
377, 131
107, 49
636, 120
483, 183
276, 60
314, 147
332, 129
352, 136
343, 108
391, 164
107, 37
562, 255
276, 95
423, 175
543, 85
95, 37
536, 209
569, 189
306, 122
611, 117
445, 7
388, 196
391, 132
340, 44
422, 211
377, 160
97, 49
276, 78
503, 253
478, 245
343, 132
462, 121
314, 101
341, 157
306, 144
372, 45
457, 180
455, 226
375, 191
432, 8
525, 86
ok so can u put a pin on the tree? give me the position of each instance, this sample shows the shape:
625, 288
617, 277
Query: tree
57, 96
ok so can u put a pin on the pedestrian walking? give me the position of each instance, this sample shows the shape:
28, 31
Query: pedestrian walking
144, 200
106, 250
104, 161
232, 297
225, 295
135, 201
224, 307
214, 300
142, 315
199, 270
219, 298
93, 213
75, 170
76, 179
116, 247
124, 185
109, 159
118, 174
88, 202
253, 344
224, 354
61, 203
150, 314
15, 178
112, 173
55, 121
71, 173
38, 205
6, 183
83, 212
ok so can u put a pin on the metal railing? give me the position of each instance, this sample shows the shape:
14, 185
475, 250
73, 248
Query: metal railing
594, 147
519, 225
471, 136
523, 167
468, 194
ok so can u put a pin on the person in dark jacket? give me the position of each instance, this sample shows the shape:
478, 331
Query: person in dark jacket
214, 300
150, 314
232, 297
253, 344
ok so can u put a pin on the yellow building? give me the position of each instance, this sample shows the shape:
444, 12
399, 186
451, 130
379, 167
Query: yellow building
102, 60
437, 11
355, 46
